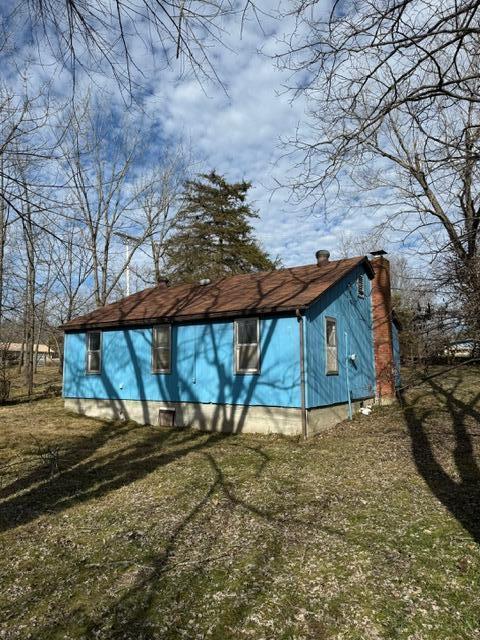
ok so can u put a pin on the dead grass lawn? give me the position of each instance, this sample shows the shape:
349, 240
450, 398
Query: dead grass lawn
121, 531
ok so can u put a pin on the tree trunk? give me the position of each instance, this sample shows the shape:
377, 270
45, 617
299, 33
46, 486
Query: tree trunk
3, 238
29, 301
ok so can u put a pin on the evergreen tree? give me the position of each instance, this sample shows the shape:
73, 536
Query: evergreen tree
213, 236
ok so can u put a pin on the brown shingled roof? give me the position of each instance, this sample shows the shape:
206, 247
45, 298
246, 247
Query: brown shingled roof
264, 292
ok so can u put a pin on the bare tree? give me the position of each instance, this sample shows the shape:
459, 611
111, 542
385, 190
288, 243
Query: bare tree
394, 114
5, 365
462, 281
397, 51
27, 147
4, 338
101, 36
30, 287
358, 244
112, 200
25, 137
72, 266
160, 194
3, 241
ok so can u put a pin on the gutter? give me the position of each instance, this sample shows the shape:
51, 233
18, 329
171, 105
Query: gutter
299, 315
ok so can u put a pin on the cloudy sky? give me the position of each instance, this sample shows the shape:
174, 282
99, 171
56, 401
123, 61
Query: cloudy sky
239, 132
234, 126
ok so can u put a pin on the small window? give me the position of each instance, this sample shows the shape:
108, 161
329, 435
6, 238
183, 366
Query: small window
360, 287
161, 348
247, 346
94, 352
331, 345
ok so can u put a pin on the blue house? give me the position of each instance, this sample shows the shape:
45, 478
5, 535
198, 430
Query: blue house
289, 351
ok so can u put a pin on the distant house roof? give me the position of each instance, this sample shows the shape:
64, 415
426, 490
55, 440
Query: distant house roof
18, 346
264, 292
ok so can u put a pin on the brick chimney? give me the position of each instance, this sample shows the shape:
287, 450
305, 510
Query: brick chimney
382, 329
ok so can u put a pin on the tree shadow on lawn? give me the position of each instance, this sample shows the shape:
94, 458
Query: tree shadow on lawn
461, 497
161, 590
17, 400
74, 451
87, 476
129, 616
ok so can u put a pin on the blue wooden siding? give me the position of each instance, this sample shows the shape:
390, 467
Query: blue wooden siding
396, 354
354, 323
202, 366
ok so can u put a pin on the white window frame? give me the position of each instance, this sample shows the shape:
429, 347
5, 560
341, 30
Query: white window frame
361, 287
237, 346
154, 348
331, 372
88, 351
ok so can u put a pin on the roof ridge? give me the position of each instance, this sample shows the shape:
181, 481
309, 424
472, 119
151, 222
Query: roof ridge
263, 272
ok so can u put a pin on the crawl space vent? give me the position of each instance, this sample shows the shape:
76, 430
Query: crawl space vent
166, 417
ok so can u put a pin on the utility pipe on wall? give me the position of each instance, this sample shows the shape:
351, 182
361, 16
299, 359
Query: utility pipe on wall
298, 313
347, 377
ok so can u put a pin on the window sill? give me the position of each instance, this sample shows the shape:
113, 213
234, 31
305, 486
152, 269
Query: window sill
247, 373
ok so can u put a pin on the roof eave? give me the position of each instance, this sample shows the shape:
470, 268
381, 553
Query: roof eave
179, 319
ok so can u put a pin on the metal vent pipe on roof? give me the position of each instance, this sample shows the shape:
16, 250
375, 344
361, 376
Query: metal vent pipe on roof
322, 256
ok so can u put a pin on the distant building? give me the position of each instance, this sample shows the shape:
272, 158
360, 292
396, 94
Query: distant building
460, 349
287, 351
13, 352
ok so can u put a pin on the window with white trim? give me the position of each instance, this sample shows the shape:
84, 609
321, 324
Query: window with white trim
94, 352
247, 345
361, 286
331, 346
161, 348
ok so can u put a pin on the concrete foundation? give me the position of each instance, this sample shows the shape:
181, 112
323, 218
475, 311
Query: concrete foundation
385, 401
323, 418
213, 417
206, 417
